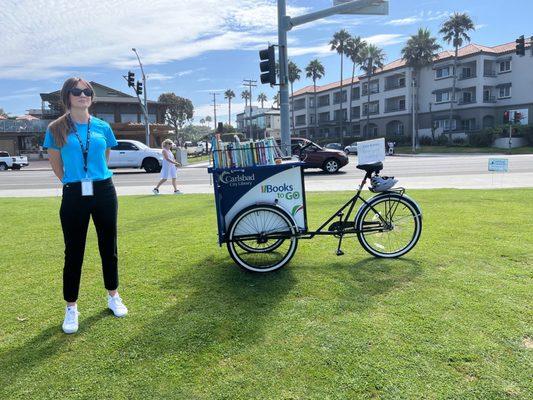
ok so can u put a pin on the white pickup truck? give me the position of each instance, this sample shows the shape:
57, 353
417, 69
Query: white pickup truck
7, 161
134, 154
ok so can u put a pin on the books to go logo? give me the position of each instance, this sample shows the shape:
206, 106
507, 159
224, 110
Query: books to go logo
282, 191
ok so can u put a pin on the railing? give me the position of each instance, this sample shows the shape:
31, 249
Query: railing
394, 108
372, 91
462, 77
467, 101
23, 125
393, 86
490, 74
489, 99
371, 112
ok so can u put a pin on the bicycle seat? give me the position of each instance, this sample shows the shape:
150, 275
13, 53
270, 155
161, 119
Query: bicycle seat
375, 167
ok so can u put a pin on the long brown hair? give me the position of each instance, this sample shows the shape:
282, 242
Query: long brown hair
61, 127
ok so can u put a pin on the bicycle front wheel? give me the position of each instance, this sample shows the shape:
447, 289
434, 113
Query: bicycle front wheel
389, 225
262, 238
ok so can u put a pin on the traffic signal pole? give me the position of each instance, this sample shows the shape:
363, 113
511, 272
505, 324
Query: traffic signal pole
286, 23
145, 107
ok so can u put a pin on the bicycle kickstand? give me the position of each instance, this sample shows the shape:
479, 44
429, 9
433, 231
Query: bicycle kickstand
339, 251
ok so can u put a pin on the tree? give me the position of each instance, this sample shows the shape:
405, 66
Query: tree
315, 70
262, 98
245, 95
294, 75
455, 30
202, 121
208, 119
275, 100
419, 51
354, 46
3, 113
228, 95
179, 110
338, 42
372, 59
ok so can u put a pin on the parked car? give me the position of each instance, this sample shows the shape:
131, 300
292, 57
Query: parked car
333, 146
351, 149
134, 154
13, 162
315, 156
193, 149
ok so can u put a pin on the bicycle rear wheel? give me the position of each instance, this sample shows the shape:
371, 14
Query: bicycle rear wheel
389, 225
262, 238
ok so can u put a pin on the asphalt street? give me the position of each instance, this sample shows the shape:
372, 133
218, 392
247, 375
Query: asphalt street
415, 172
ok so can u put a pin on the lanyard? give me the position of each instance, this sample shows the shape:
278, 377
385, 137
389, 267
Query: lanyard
84, 151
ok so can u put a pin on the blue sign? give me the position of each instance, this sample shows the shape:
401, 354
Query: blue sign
499, 164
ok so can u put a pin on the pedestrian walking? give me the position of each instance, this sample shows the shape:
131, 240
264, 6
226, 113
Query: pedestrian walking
78, 145
169, 168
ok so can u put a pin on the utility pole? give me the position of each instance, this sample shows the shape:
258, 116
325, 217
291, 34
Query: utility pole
215, 107
145, 108
250, 83
286, 23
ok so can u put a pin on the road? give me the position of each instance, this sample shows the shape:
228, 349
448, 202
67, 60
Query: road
414, 172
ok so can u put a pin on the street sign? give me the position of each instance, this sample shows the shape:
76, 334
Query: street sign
381, 7
498, 164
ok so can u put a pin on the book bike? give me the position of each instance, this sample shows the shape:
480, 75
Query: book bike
262, 213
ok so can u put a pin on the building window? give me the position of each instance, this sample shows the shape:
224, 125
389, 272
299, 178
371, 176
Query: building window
356, 112
300, 120
344, 115
323, 100
468, 124
373, 109
504, 92
108, 117
356, 93
443, 72
312, 119
441, 97
299, 104
374, 87
505, 66
323, 117
444, 124
336, 97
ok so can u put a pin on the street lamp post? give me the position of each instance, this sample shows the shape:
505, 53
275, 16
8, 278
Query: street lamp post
144, 106
286, 23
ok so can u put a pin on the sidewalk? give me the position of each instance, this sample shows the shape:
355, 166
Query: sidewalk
44, 165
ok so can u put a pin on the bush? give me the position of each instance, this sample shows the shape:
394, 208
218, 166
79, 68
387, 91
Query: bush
426, 141
442, 140
459, 141
527, 132
481, 139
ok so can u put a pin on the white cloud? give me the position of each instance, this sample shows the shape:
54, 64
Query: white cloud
480, 26
421, 17
45, 43
386, 39
404, 21
159, 77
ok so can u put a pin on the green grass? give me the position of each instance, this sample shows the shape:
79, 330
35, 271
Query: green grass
193, 160
452, 319
462, 149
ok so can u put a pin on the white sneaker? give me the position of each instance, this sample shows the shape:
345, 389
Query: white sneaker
115, 304
177, 192
70, 324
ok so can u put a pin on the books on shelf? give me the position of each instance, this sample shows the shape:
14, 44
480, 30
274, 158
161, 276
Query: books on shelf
239, 154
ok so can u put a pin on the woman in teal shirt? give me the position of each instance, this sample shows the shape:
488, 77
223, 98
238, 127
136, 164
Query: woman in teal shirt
78, 145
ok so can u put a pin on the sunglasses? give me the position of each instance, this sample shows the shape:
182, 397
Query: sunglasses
77, 92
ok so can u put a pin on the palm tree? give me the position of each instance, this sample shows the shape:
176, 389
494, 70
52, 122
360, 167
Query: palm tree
229, 94
419, 52
202, 122
354, 45
275, 100
455, 31
294, 75
208, 119
373, 58
315, 70
338, 42
245, 95
262, 98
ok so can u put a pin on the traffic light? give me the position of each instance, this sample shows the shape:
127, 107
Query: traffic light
506, 117
520, 46
139, 88
268, 65
517, 117
131, 79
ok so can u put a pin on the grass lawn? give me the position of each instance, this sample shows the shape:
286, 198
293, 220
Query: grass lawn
452, 319
462, 149
193, 160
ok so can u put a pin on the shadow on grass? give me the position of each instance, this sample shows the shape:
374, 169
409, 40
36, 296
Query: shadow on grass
36, 351
223, 305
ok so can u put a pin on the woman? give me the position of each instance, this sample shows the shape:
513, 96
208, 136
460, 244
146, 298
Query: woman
78, 145
168, 169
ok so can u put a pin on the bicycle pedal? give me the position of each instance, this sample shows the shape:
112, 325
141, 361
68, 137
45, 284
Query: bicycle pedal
340, 252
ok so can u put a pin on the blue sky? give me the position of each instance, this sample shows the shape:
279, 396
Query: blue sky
194, 47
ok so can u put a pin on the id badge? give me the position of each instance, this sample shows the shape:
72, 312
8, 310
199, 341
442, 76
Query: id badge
86, 187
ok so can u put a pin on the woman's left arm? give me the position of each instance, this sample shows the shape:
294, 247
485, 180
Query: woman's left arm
107, 152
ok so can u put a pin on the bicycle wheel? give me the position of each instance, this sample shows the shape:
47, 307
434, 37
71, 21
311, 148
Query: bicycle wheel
262, 238
389, 225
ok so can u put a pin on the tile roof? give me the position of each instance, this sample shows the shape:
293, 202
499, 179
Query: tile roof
465, 51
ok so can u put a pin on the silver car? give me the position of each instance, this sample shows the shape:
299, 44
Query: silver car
351, 149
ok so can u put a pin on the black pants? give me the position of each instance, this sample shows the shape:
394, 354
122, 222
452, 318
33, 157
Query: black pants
75, 213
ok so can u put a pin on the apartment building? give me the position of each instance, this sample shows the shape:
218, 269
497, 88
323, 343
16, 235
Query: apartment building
265, 122
490, 80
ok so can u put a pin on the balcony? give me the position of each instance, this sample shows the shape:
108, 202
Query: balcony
372, 112
394, 85
463, 77
489, 73
463, 102
395, 108
372, 91
489, 99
